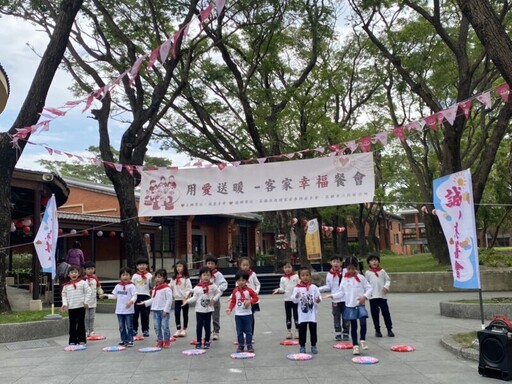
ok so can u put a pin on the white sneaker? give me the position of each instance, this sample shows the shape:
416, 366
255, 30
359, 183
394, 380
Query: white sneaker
289, 335
177, 333
363, 345
215, 336
183, 333
296, 335
355, 350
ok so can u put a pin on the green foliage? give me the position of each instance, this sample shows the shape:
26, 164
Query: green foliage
495, 257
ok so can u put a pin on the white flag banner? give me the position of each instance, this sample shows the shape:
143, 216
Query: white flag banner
46, 238
453, 201
321, 182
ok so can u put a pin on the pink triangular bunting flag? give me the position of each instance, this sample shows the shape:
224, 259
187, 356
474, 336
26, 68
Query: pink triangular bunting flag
382, 137
485, 99
450, 114
503, 90
366, 143
465, 106
399, 132
431, 122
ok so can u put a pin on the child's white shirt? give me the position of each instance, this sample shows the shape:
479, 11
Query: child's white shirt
307, 302
351, 289
378, 280
182, 290
76, 295
286, 285
332, 284
161, 300
142, 285
123, 294
203, 299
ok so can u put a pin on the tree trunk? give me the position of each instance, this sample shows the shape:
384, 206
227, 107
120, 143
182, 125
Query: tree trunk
29, 115
436, 241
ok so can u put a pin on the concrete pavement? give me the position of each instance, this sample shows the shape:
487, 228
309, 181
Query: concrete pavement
416, 319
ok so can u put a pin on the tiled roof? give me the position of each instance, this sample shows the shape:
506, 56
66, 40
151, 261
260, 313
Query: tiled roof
100, 219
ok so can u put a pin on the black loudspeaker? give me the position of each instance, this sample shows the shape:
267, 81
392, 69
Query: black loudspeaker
495, 353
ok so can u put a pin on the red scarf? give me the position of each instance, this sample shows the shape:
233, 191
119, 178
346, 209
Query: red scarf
143, 274
289, 275
93, 277
159, 287
250, 271
178, 278
375, 270
205, 286
354, 275
335, 272
123, 284
241, 290
73, 282
213, 272
304, 285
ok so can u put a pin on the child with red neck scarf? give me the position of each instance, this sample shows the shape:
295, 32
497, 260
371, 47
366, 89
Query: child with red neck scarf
142, 281
181, 289
242, 299
286, 285
76, 295
332, 284
220, 281
307, 296
206, 294
94, 283
380, 282
356, 290
253, 283
160, 303
126, 295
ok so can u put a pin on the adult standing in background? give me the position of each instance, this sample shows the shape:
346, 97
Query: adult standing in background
75, 255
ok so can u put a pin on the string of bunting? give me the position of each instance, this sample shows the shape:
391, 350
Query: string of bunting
162, 52
363, 143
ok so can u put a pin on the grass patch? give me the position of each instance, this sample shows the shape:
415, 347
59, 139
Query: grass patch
422, 262
466, 339
24, 316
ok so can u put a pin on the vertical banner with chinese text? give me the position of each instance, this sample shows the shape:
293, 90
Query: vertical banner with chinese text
453, 201
313, 248
223, 189
46, 238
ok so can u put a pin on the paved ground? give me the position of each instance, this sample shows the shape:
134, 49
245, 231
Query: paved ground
416, 322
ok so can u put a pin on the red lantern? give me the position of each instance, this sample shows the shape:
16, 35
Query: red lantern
324, 228
19, 224
85, 232
305, 222
44, 200
26, 229
112, 234
61, 231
